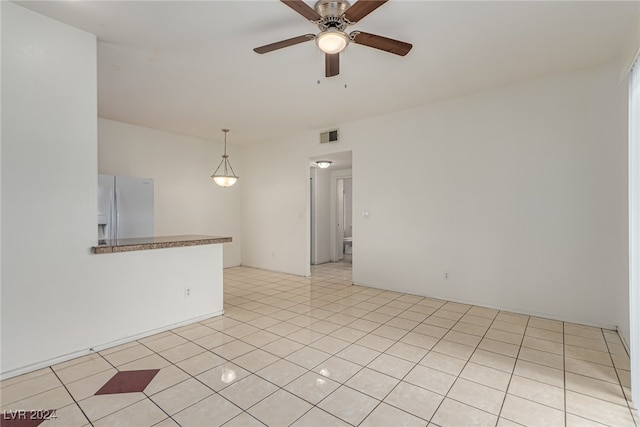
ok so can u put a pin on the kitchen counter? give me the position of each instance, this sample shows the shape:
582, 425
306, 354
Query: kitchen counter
159, 242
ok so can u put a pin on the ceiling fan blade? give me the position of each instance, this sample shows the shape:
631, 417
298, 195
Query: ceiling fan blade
284, 43
362, 8
331, 64
383, 43
303, 9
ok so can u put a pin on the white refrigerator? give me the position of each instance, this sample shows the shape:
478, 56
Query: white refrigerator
125, 207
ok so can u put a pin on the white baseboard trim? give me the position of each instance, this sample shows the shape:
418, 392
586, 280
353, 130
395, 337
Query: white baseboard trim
100, 347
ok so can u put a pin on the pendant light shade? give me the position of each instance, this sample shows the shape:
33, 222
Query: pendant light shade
225, 177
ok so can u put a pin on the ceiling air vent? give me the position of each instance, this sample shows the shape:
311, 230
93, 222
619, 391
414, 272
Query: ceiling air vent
329, 136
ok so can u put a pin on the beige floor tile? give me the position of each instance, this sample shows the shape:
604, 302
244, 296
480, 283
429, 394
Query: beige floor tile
549, 325
212, 411
385, 415
51, 399
163, 341
165, 378
19, 390
375, 342
88, 386
255, 360
595, 388
487, 376
389, 332
493, 360
141, 414
538, 392
364, 325
305, 336
59, 366
281, 372
127, 355
477, 395
312, 387
82, 370
621, 361
459, 351
182, 352
541, 357
576, 421
407, 352
215, 340
198, 331
414, 400
222, 376
590, 369
519, 319
233, 349
430, 379
529, 413
69, 416
153, 361
243, 420
472, 319
181, 396
443, 362
96, 407
470, 328
317, 417
270, 410
282, 347
349, 405
337, 369
329, 344
503, 422
514, 328
582, 353
487, 313
372, 383
543, 345
431, 330
308, 357
455, 414
199, 363
283, 329
540, 373
594, 344
582, 331
248, 391
462, 338
499, 347
544, 334
358, 354
441, 322
324, 327
391, 365
443, 313
598, 410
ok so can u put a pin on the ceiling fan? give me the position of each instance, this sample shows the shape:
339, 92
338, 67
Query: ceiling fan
332, 18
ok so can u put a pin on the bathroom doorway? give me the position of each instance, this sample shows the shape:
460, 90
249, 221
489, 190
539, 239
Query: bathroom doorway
331, 194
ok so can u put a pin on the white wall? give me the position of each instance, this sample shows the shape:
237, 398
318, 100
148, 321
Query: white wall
187, 201
59, 300
321, 180
519, 193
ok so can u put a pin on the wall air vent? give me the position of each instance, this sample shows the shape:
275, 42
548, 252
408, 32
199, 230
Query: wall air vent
329, 136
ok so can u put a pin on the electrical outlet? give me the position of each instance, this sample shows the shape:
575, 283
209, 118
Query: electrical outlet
187, 292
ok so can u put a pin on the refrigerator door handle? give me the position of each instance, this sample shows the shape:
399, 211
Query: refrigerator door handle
116, 217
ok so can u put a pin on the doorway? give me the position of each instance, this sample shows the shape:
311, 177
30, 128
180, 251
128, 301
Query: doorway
330, 198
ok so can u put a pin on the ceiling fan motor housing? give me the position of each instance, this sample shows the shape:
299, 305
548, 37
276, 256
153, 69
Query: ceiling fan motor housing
331, 12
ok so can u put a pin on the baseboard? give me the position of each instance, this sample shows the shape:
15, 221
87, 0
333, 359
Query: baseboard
100, 347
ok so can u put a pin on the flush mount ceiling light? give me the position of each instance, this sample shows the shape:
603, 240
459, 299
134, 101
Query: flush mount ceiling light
224, 178
332, 41
323, 164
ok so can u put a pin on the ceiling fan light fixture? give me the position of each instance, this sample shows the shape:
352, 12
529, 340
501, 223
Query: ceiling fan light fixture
323, 164
332, 41
226, 177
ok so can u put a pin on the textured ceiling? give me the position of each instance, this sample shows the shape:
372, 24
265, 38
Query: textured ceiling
188, 66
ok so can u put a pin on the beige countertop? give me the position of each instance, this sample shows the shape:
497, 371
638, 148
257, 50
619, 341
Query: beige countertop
158, 242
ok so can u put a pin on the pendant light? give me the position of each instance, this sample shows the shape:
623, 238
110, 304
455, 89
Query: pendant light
224, 178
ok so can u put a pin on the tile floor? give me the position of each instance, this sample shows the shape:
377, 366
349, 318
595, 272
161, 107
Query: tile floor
293, 351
